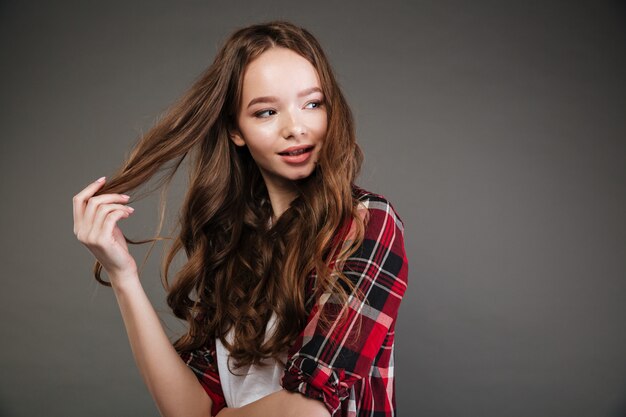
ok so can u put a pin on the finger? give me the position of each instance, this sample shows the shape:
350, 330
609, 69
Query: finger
94, 203
104, 236
105, 246
103, 212
111, 220
88, 231
80, 200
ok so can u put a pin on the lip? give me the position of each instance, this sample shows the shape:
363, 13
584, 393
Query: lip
295, 148
302, 158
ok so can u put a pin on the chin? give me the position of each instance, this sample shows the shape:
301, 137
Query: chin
302, 175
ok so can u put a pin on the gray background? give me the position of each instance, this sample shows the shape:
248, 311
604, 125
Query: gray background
496, 128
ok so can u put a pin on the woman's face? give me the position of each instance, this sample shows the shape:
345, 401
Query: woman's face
282, 118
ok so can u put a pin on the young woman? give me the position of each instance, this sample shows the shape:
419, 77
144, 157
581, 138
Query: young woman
294, 275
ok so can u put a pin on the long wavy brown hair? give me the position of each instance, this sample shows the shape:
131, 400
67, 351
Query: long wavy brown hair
239, 268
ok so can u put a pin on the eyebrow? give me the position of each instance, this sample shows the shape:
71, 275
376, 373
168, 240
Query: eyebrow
272, 99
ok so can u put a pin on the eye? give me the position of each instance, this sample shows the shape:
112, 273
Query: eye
313, 105
262, 114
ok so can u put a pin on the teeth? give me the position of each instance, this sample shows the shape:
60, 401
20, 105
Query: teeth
298, 152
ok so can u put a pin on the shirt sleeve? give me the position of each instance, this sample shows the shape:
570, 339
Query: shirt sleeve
203, 363
326, 360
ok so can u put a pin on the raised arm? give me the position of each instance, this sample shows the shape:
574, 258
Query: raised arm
174, 387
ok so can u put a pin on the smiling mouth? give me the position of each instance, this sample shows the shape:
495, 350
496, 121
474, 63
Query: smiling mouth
298, 152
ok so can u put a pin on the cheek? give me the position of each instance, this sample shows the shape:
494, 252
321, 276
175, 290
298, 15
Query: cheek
260, 132
255, 137
257, 150
320, 125
260, 145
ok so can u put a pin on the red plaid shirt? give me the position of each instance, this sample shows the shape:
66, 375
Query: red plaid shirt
349, 367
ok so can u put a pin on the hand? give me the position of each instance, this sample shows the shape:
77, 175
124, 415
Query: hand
95, 226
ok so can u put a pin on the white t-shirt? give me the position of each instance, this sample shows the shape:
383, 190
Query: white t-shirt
250, 383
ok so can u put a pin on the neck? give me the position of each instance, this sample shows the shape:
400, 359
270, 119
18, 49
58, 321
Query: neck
280, 198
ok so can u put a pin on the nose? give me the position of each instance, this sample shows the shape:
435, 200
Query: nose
292, 125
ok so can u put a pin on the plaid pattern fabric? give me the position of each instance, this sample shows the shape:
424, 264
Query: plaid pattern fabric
203, 362
348, 364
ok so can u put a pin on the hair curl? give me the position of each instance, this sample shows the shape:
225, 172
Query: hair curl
239, 269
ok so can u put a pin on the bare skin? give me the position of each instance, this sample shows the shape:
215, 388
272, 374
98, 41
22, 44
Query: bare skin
172, 384
282, 106
292, 118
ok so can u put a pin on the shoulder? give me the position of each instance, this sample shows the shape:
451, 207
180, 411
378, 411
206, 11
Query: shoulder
381, 256
377, 209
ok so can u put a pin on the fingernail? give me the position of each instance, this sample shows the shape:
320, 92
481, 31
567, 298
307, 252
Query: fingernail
125, 196
130, 209
101, 179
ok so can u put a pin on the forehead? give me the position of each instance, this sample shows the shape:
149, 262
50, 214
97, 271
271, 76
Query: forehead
278, 71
